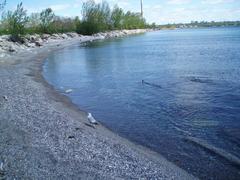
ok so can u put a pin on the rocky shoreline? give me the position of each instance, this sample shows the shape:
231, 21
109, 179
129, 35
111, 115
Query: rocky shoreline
29, 42
44, 136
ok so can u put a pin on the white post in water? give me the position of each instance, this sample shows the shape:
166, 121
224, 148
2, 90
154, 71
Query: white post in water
142, 8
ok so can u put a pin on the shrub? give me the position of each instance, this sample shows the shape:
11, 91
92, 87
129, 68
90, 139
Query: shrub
46, 19
62, 25
117, 18
77, 24
15, 22
96, 17
133, 21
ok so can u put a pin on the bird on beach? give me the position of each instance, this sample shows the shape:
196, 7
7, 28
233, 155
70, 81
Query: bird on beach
68, 91
91, 119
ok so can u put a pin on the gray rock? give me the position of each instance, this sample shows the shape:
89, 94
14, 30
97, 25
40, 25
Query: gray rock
45, 36
31, 45
11, 49
64, 36
39, 43
5, 98
72, 35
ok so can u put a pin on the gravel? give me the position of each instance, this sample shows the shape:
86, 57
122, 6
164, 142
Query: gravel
44, 136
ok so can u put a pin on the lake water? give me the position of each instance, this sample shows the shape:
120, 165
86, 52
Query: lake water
176, 92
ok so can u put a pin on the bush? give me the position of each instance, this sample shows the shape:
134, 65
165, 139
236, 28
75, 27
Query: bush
15, 22
96, 17
99, 18
63, 25
77, 24
33, 25
117, 18
133, 21
46, 19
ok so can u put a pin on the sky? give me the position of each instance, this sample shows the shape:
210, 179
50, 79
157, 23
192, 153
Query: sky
158, 11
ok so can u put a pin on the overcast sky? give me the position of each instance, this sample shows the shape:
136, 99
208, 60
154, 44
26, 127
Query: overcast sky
159, 11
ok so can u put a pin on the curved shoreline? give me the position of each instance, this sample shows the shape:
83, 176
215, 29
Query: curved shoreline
48, 133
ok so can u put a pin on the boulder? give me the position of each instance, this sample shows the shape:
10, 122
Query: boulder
31, 45
64, 36
72, 34
11, 49
39, 43
45, 36
55, 36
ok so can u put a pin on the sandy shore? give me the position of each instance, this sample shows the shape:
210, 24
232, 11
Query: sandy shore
44, 136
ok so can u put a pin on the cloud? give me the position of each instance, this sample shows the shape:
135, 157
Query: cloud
59, 7
178, 2
168, 11
216, 1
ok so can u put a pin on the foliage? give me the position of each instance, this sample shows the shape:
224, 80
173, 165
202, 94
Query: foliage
34, 20
96, 17
46, 19
133, 21
33, 25
117, 18
77, 24
62, 25
15, 21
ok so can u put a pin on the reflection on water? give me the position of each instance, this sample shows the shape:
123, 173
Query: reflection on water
172, 91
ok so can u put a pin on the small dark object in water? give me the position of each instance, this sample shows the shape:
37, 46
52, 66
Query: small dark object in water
71, 137
200, 80
151, 84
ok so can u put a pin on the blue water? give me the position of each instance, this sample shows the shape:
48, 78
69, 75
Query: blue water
190, 88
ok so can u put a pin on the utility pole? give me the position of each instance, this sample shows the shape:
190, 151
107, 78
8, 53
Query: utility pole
142, 8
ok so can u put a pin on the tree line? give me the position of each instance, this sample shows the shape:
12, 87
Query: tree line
202, 24
96, 17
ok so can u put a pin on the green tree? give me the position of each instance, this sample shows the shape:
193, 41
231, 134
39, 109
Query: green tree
117, 17
77, 24
133, 21
96, 17
46, 18
34, 22
62, 25
16, 22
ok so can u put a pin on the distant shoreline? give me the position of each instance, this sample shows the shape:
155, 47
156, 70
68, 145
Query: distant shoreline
196, 24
